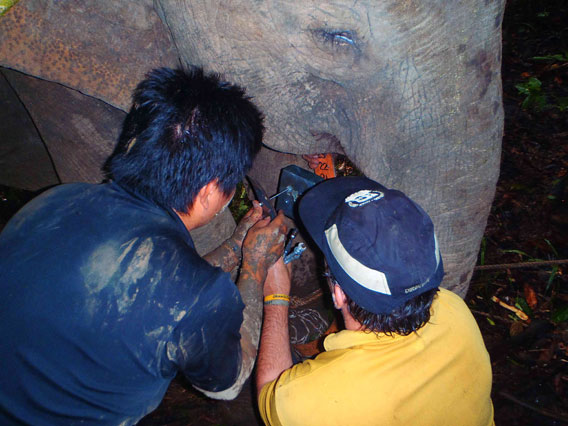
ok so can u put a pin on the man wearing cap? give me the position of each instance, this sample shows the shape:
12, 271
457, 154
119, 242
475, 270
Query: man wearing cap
411, 352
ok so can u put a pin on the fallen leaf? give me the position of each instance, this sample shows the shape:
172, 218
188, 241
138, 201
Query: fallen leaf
530, 296
546, 355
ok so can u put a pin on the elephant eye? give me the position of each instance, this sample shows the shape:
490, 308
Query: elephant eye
337, 39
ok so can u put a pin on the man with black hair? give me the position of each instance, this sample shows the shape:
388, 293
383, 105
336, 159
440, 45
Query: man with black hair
103, 295
411, 352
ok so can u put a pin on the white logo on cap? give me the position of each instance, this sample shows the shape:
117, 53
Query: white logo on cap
360, 198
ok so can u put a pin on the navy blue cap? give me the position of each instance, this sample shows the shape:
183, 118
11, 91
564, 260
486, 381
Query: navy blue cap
379, 244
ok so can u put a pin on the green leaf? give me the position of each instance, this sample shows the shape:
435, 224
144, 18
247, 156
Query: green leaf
240, 203
490, 321
559, 57
523, 90
562, 104
515, 362
522, 304
552, 276
534, 84
560, 314
520, 187
6, 5
532, 89
536, 101
551, 247
522, 253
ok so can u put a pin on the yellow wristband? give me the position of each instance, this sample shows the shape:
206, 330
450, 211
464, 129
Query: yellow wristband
272, 297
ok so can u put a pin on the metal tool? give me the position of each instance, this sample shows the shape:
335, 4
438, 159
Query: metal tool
291, 237
284, 191
265, 203
295, 254
261, 197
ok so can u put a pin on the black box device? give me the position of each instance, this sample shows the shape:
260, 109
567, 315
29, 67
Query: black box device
299, 180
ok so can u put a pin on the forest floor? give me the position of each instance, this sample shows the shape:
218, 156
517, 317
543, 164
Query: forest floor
528, 223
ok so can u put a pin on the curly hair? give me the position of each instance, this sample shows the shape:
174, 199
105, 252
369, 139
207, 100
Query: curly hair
403, 320
185, 129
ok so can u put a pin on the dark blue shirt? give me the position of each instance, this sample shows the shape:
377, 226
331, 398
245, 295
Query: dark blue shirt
103, 298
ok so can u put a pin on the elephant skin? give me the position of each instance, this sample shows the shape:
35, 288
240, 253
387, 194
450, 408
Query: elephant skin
77, 132
101, 48
409, 90
24, 160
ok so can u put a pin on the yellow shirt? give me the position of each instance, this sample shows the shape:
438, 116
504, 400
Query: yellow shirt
440, 375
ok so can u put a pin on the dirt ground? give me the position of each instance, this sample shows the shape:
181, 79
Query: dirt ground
528, 223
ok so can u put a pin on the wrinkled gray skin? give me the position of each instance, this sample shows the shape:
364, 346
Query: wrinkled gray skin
409, 90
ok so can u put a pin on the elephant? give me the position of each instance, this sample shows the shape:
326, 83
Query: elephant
409, 91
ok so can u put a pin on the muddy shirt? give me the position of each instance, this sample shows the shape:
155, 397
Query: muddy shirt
103, 299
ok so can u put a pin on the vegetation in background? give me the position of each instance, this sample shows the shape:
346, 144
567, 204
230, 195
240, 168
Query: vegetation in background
240, 203
529, 223
6, 5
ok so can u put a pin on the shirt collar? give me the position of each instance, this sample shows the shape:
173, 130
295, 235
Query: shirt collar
156, 208
348, 338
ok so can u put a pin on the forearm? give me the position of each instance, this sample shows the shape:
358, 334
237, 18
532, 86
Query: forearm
274, 355
261, 249
227, 256
250, 287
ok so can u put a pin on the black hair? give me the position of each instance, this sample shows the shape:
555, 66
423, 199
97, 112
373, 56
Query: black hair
185, 129
403, 320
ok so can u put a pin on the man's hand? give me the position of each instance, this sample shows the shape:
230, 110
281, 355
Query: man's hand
313, 160
228, 255
247, 222
279, 278
321, 164
263, 245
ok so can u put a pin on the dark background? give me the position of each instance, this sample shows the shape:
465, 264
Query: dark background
528, 223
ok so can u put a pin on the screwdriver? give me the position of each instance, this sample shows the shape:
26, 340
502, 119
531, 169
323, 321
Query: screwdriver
285, 190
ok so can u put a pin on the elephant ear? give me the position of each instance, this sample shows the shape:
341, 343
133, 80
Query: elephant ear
101, 49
